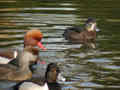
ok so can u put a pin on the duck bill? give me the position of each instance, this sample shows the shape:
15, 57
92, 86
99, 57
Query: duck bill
97, 29
40, 45
60, 78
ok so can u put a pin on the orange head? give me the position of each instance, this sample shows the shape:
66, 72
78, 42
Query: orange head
33, 38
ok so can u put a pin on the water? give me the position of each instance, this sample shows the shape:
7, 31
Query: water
84, 69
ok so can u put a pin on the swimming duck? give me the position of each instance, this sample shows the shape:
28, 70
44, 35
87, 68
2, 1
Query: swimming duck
85, 35
31, 38
49, 82
22, 72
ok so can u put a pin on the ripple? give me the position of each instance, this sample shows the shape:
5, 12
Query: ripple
60, 27
90, 84
6, 84
95, 85
66, 9
101, 60
112, 67
66, 4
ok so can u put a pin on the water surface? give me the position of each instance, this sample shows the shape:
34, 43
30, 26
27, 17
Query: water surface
85, 69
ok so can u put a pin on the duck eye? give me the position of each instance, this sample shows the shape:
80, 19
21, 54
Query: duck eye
89, 25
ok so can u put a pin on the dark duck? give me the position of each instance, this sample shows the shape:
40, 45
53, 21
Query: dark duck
47, 82
85, 35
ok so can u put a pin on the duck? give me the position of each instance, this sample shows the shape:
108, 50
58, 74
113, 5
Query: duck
7, 55
31, 38
11, 72
48, 82
84, 35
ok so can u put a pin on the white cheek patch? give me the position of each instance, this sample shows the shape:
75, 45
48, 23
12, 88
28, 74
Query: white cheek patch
92, 27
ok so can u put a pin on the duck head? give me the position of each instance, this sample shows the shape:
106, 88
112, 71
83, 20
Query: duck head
33, 38
53, 73
91, 25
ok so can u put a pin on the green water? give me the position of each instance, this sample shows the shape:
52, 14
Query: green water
85, 69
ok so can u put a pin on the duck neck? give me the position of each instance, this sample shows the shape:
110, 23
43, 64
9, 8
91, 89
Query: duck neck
50, 78
24, 61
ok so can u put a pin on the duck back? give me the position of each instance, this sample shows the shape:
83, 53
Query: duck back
79, 35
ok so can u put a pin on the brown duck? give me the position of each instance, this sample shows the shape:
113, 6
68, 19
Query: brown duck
22, 72
84, 35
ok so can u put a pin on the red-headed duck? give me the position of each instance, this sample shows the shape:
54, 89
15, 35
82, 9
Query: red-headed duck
31, 38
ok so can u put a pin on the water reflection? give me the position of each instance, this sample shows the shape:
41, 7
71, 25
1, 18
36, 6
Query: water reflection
85, 69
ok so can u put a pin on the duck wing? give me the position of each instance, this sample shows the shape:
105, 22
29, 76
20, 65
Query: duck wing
6, 69
72, 31
7, 53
